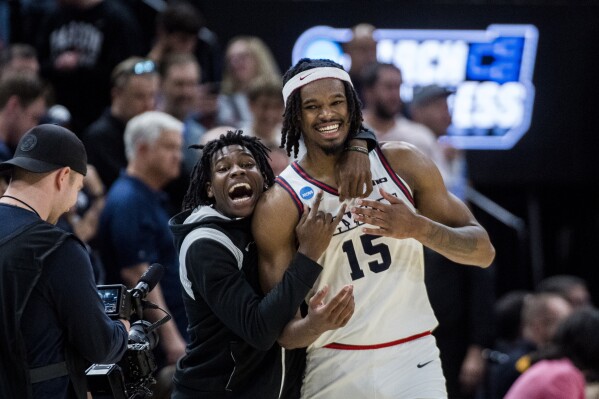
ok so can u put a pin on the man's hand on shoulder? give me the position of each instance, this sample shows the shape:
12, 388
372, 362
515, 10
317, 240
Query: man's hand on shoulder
352, 172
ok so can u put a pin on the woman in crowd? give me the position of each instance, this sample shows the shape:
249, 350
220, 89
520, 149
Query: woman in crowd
247, 59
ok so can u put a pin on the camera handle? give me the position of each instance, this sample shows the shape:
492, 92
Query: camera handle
141, 304
138, 305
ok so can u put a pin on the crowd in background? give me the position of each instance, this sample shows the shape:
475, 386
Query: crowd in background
138, 98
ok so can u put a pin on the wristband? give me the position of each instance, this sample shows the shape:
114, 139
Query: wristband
357, 148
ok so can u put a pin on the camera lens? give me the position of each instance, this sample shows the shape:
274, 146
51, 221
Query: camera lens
140, 334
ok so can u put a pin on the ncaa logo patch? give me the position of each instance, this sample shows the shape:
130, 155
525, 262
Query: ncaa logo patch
306, 193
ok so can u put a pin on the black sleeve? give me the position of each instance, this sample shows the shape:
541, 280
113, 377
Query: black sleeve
368, 135
101, 154
214, 273
79, 307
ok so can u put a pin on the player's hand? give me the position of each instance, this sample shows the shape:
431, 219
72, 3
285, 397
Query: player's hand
333, 314
315, 229
353, 176
390, 220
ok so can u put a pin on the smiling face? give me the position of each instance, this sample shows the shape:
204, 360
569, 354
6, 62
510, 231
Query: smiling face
325, 116
236, 181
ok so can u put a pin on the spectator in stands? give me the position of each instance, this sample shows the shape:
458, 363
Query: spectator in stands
78, 45
508, 338
179, 86
381, 85
134, 231
508, 317
180, 98
247, 59
22, 105
267, 107
180, 29
19, 59
429, 107
541, 315
569, 365
361, 49
573, 288
177, 29
134, 85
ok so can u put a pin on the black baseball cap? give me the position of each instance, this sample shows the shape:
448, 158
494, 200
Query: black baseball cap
47, 147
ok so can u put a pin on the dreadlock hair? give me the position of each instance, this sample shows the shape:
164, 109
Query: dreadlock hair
202, 171
292, 130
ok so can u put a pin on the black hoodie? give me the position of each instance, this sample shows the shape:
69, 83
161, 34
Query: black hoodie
233, 327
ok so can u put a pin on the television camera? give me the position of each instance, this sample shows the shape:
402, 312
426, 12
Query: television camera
132, 377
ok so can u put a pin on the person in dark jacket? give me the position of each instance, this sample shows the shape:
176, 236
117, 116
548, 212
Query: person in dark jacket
233, 326
53, 320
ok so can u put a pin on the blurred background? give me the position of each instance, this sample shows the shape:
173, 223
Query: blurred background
549, 179
540, 199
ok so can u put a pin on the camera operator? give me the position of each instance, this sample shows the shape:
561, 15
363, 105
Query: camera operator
53, 321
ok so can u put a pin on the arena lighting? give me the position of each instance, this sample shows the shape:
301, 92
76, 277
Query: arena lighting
489, 70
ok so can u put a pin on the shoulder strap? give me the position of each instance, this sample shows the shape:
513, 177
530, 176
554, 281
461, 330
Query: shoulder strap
48, 372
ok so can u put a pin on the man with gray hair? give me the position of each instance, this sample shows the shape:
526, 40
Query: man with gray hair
134, 231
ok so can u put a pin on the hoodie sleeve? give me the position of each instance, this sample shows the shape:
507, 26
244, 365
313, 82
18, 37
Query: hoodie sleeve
214, 272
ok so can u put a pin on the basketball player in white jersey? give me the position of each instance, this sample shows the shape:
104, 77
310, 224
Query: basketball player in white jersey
386, 350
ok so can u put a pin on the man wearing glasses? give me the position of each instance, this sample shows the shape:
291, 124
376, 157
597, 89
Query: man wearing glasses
134, 87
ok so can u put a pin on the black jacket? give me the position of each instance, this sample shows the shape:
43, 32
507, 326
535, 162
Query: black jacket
32, 259
233, 327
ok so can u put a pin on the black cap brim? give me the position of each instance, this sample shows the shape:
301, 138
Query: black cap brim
30, 164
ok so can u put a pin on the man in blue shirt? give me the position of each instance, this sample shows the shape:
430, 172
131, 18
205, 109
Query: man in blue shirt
134, 231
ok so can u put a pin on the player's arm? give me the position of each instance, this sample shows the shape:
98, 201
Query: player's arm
301, 332
273, 228
353, 176
442, 222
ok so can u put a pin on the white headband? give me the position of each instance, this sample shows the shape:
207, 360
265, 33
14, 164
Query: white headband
309, 76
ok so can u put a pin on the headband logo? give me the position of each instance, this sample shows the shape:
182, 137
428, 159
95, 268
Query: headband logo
312, 75
305, 76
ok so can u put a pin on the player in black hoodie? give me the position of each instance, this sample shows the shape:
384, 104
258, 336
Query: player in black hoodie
233, 326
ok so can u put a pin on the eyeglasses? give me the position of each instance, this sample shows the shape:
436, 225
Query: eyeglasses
142, 67
118, 77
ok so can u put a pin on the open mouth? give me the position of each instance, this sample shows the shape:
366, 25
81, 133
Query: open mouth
240, 192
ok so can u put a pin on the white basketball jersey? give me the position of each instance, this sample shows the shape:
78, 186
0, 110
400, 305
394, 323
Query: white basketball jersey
387, 273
